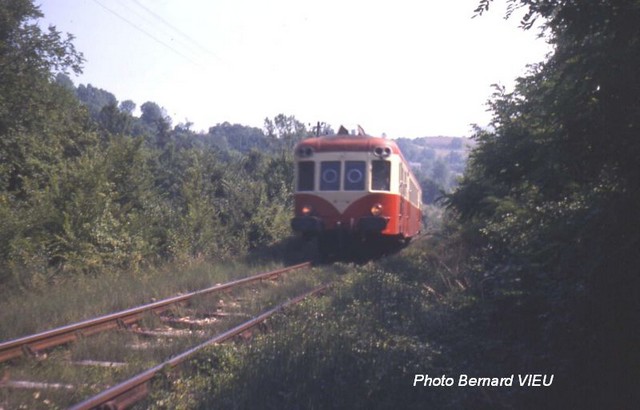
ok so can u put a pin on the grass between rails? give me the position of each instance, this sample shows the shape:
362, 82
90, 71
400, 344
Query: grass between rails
358, 347
80, 298
97, 296
361, 345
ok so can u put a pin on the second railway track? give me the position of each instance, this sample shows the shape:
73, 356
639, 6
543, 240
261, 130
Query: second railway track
133, 331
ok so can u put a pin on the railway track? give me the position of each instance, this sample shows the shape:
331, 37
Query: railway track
34, 344
32, 351
136, 388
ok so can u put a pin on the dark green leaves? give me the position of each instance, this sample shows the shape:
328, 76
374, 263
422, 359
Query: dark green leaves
551, 193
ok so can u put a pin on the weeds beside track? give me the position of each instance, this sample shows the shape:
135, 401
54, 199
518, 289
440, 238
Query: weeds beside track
134, 389
36, 343
30, 352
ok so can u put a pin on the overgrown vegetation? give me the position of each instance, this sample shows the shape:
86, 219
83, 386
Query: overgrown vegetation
83, 297
362, 345
87, 187
550, 198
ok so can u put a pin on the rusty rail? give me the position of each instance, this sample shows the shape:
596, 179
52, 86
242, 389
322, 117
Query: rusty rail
58, 336
125, 394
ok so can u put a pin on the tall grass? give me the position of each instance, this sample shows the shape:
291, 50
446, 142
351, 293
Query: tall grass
358, 347
87, 297
84, 297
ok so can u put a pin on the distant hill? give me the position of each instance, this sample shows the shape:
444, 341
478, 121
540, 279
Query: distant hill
422, 152
437, 161
442, 146
446, 144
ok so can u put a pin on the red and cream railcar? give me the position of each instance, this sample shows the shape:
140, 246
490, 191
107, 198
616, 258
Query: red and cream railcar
356, 185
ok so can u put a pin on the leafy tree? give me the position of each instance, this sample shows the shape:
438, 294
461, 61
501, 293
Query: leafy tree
95, 98
238, 137
64, 80
431, 191
28, 52
39, 123
551, 192
151, 113
87, 187
321, 128
286, 129
157, 123
440, 173
127, 106
114, 121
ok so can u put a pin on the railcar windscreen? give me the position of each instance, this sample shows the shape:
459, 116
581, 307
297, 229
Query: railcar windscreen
330, 176
380, 175
305, 175
354, 175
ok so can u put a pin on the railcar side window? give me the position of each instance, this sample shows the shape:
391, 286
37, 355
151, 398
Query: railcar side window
354, 175
305, 175
330, 176
380, 175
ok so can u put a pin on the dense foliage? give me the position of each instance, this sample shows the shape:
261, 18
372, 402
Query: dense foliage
360, 346
86, 186
550, 199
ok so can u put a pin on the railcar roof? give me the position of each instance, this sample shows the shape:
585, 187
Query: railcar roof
348, 143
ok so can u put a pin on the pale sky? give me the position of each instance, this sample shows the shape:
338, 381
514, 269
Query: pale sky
408, 68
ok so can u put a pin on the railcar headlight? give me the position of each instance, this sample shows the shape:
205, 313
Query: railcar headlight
306, 210
305, 152
382, 152
376, 210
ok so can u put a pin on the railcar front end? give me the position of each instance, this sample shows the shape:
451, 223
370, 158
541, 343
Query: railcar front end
354, 188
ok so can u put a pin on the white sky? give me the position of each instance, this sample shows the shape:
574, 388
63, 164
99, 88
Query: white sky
408, 68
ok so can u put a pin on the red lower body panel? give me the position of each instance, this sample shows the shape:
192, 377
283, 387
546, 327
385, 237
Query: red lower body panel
402, 218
